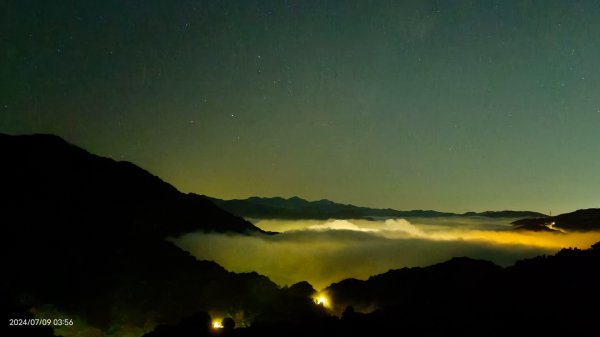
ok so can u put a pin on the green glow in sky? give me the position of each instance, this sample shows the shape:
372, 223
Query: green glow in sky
447, 105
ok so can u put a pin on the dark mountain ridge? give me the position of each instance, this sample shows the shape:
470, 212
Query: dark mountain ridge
463, 296
545, 295
88, 236
580, 220
42, 175
298, 208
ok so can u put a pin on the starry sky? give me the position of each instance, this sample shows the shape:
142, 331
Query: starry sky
447, 105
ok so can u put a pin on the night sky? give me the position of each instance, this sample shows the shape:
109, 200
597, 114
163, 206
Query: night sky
447, 105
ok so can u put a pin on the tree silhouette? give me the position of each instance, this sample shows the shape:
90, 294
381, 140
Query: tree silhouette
228, 324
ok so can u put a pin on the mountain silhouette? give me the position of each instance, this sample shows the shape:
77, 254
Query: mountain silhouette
43, 176
298, 208
505, 214
546, 295
580, 220
88, 236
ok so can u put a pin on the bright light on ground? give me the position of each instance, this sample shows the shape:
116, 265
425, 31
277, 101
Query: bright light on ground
216, 324
321, 299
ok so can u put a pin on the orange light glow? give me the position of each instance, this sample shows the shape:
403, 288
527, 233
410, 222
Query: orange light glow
216, 324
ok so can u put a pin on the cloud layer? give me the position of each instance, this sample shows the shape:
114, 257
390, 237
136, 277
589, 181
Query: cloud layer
322, 252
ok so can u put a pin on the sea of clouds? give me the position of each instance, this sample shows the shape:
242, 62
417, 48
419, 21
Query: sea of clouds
326, 251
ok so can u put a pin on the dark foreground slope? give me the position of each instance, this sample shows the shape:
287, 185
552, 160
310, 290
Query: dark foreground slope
298, 208
544, 296
535, 297
580, 220
86, 235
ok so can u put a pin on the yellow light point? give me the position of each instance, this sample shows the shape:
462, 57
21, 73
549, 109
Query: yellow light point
321, 299
216, 324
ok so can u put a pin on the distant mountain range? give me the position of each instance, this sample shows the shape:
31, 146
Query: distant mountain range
298, 208
580, 220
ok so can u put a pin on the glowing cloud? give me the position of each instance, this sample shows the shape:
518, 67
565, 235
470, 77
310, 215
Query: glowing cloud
323, 252
339, 225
